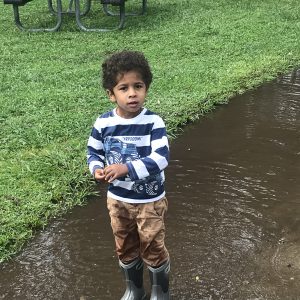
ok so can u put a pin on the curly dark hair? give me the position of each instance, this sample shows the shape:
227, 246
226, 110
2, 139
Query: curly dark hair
122, 62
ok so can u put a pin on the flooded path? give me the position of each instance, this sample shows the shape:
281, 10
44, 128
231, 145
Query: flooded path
233, 227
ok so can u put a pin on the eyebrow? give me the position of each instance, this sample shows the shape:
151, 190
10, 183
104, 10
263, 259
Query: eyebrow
125, 84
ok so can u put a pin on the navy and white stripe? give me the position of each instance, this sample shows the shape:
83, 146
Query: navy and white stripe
147, 132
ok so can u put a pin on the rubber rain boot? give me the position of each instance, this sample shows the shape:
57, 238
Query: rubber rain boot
134, 280
160, 282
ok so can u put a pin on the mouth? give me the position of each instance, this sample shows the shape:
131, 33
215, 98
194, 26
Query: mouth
133, 104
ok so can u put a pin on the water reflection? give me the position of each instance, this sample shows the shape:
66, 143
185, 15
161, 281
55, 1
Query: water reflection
244, 191
233, 223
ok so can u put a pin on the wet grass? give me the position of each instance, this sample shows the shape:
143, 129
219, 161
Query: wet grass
201, 52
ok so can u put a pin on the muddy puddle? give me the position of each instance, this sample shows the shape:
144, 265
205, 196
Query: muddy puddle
233, 227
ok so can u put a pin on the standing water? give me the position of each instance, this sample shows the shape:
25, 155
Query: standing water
233, 227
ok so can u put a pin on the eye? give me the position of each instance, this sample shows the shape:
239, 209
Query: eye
139, 86
123, 88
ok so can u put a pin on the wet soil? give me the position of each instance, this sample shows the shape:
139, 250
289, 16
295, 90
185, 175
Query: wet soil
233, 226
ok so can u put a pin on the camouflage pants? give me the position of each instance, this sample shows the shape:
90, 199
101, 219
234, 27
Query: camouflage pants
139, 230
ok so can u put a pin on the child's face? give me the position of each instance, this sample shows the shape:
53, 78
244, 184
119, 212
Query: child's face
129, 94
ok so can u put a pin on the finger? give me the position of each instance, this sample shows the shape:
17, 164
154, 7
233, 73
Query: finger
111, 179
107, 170
111, 176
99, 178
98, 173
108, 176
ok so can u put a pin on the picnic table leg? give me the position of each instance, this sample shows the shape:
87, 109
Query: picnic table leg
142, 12
84, 28
21, 26
70, 5
70, 10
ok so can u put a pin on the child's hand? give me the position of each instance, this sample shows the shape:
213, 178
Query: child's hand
115, 171
99, 175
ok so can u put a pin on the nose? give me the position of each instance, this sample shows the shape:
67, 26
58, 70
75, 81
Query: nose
132, 92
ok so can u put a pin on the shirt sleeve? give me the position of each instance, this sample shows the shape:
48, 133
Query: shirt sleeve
95, 151
158, 159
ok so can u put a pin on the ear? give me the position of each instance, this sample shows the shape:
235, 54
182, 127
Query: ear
111, 96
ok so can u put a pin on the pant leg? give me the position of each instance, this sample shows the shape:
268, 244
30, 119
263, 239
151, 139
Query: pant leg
124, 228
151, 229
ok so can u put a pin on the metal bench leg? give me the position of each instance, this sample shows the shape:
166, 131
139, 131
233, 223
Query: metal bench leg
70, 10
84, 28
55, 28
144, 7
51, 9
142, 12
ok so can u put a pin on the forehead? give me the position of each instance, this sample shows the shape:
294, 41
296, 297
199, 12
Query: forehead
130, 76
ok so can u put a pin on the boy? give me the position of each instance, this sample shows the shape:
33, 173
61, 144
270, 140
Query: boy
128, 149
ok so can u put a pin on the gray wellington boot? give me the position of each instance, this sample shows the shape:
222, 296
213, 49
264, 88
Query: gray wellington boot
134, 280
160, 282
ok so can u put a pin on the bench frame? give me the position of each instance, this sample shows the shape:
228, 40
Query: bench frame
77, 12
17, 3
142, 12
121, 15
70, 10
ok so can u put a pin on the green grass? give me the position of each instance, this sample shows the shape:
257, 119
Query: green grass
201, 52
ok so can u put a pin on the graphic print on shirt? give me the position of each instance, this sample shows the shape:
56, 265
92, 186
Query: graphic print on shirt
119, 152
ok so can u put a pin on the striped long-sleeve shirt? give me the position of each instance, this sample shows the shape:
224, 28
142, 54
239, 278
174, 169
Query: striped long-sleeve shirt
141, 143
